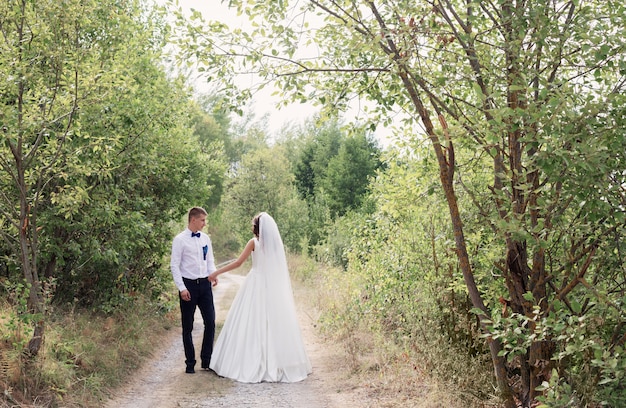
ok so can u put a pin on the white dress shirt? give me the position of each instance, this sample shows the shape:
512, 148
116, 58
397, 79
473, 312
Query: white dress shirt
188, 258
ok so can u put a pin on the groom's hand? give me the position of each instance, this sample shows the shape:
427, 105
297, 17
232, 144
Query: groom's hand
185, 295
213, 279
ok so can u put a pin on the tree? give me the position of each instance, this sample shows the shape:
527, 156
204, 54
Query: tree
95, 154
332, 172
349, 173
263, 181
338, 164
211, 128
49, 56
321, 144
534, 89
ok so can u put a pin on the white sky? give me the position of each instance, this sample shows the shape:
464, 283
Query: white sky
263, 102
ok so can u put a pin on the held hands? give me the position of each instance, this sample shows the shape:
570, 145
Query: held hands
213, 279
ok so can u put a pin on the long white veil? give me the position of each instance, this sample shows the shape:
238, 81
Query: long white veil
272, 262
272, 251
283, 327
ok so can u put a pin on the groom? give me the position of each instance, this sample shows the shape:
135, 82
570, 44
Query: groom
192, 262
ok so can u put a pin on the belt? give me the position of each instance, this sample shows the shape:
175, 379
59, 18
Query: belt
196, 281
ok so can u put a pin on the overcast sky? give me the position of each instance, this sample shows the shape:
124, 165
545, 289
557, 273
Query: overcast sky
264, 103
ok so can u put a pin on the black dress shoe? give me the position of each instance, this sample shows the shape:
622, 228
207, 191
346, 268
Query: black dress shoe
190, 370
205, 365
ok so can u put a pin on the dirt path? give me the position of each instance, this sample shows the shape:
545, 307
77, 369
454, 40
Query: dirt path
162, 383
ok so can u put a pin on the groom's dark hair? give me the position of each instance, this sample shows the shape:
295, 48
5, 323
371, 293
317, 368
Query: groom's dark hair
196, 212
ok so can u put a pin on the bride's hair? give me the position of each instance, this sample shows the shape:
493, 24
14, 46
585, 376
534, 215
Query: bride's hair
255, 225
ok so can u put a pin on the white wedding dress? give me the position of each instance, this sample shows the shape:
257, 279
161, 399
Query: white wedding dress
261, 339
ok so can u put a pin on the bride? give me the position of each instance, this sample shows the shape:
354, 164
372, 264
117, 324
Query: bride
261, 339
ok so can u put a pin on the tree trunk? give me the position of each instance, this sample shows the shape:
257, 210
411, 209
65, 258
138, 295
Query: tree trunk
34, 344
446, 173
29, 267
499, 362
27, 225
535, 366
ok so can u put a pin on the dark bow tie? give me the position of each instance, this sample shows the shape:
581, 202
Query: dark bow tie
195, 234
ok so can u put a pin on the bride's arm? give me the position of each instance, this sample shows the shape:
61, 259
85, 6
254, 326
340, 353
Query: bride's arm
237, 263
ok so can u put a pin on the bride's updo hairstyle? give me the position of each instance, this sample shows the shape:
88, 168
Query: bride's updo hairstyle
255, 225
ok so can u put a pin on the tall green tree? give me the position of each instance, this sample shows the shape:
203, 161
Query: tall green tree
350, 172
50, 54
333, 171
263, 181
320, 144
533, 88
211, 128
95, 155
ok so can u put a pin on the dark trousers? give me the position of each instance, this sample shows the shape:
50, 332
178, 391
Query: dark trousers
202, 297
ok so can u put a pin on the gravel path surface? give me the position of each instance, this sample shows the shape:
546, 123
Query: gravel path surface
162, 382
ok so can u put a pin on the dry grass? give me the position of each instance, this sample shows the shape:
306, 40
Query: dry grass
383, 373
83, 354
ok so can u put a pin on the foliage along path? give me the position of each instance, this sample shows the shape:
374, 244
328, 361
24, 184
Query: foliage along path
162, 382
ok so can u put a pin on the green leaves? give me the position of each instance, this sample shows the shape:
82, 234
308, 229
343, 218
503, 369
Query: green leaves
103, 150
532, 95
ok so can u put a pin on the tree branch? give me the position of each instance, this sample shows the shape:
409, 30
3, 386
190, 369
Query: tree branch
574, 282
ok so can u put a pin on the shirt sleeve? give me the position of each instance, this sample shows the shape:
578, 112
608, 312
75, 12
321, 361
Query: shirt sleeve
210, 259
177, 252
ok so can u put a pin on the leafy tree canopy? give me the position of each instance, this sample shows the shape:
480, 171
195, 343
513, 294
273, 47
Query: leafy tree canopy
532, 91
